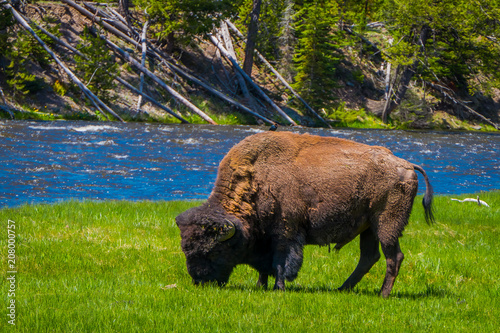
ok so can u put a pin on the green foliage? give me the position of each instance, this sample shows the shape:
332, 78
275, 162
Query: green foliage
341, 116
221, 117
98, 68
59, 88
19, 51
317, 53
185, 18
462, 49
118, 267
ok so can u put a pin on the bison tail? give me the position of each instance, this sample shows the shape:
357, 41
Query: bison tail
429, 193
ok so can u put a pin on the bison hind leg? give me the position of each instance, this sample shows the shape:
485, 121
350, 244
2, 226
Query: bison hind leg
370, 254
393, 257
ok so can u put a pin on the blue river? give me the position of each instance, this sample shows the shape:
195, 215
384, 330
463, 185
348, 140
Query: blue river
46, 162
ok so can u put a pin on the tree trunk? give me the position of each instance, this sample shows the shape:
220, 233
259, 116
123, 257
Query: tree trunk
253, 29
143, 62
224, 31
123, 6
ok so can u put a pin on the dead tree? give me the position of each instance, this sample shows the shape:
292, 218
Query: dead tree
226, 36
150, 99
143, 61
253, 29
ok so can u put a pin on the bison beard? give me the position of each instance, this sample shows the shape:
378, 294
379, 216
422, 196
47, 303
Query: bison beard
278, 191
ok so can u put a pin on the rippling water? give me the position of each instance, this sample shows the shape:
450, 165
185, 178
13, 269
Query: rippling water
53, 161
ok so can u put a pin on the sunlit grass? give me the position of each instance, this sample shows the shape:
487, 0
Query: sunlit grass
117, 266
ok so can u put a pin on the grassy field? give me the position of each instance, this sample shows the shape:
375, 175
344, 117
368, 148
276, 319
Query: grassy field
118, 267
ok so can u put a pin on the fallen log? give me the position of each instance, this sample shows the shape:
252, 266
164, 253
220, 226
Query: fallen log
250, 81
278, 75
216, 92
96, 100
8, 110
150, 99
118, 25
6, 107
126, 57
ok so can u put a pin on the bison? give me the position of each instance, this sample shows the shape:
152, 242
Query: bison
278, 191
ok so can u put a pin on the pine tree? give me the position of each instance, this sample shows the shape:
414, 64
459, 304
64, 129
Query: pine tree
98, 69
317, 54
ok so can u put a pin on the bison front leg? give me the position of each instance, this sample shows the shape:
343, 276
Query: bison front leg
394, 257
287, 261
368, 244
262, 282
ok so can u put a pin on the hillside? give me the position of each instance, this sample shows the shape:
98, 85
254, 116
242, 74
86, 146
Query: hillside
359, 92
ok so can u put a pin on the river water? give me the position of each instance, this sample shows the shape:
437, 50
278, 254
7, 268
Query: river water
54, 161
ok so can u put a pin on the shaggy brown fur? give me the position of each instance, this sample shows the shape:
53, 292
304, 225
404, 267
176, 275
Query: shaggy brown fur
279, 191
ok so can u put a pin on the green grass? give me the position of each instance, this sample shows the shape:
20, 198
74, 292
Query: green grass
118, 267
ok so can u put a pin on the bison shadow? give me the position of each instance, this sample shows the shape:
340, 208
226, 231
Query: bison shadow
430, 291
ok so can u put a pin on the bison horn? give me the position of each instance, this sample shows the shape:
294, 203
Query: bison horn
229, 230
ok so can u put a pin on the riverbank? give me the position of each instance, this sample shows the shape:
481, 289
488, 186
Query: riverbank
358, 119
118, 266
48, 94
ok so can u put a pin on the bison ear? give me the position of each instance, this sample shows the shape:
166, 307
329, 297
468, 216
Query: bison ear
228, 231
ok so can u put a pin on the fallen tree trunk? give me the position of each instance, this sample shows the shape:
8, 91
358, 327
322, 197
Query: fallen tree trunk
250, 81
151, 99
126, 57
154, 52
143, 61
8, 110
118, 25
217, 93
278, 75
96, 100
6, 107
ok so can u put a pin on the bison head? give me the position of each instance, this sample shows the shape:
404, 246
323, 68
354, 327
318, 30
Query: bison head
212, 241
